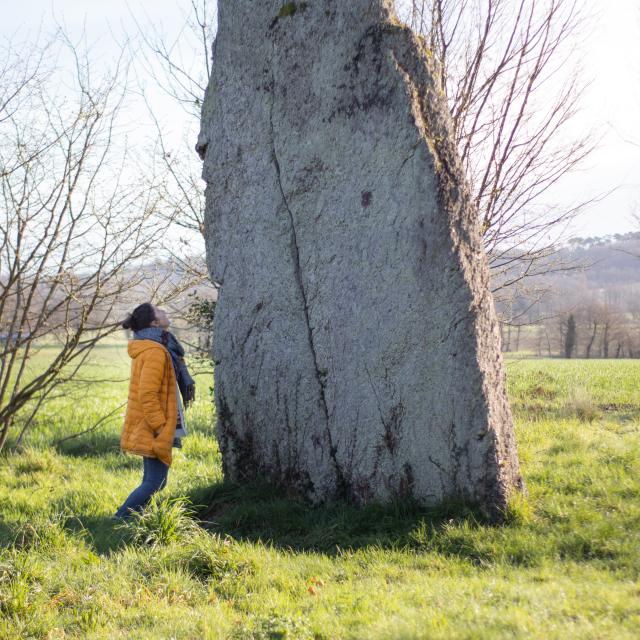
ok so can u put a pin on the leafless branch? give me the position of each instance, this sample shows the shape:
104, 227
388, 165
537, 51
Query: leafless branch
513, 89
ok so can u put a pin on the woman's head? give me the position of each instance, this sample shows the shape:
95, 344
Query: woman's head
144, 316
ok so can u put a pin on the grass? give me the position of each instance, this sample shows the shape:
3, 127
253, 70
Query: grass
565, 565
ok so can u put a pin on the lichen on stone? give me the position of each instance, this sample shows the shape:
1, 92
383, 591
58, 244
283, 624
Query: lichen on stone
288, 9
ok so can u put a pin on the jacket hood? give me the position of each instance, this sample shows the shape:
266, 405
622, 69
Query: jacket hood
136, 347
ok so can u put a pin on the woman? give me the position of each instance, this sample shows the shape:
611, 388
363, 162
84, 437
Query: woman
154, 421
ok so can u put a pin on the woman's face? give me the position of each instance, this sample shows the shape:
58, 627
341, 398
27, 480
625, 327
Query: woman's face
162, 320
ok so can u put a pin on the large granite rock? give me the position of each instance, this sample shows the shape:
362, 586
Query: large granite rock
355, 342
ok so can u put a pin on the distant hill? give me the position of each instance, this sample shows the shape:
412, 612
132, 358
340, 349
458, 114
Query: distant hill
608, 261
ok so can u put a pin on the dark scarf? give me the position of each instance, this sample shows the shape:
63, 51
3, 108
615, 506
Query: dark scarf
176, 351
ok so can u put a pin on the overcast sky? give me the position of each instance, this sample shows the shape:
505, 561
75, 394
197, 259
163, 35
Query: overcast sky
611, 58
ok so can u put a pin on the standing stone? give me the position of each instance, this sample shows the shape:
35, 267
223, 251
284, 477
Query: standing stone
356, 347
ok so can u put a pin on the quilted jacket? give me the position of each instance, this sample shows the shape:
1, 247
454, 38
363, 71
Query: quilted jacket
152, 408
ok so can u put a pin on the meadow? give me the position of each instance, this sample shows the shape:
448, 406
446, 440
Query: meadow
212, 560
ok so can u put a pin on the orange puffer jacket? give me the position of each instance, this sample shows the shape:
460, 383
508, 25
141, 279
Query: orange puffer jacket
152, 408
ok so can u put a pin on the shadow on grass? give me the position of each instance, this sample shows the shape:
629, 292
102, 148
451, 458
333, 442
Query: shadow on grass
531, 408
6, 535
95, 444
106, 536
260, 512
100, 534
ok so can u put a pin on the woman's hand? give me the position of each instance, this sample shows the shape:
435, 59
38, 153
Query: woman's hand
190, 393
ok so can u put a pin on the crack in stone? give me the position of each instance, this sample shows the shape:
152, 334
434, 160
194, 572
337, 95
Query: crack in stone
341, 480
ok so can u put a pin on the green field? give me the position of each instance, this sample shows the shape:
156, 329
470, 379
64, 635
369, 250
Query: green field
565, 565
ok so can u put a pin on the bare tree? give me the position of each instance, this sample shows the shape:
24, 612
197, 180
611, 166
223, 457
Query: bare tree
180, 66
76, 222
593, 324
505, 67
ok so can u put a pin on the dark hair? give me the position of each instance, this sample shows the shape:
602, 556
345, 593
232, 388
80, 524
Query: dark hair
140, 318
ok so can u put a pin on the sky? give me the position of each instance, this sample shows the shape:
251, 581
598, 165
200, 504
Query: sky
613, 101
610, 57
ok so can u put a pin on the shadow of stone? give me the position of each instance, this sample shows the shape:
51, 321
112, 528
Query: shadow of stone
261, 512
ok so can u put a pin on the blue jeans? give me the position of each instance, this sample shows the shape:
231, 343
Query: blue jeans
154, 478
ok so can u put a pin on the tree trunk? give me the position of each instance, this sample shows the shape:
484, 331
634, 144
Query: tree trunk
355, 340
592, 339
546, 334
4, 431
